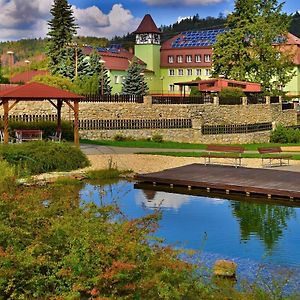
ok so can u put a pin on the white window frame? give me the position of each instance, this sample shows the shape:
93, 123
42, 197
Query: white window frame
189, 72
189, 58
180, 59
198, 72
170, 59
198, 58
171, 72
207, 72
206, 58
180, 72
171, 88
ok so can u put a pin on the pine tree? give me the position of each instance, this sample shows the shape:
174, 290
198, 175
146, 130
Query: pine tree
247, 52
62, 28
134, 83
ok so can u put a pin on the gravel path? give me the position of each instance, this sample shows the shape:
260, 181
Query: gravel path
141, 163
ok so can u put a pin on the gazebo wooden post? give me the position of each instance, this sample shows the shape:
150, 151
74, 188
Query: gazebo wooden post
59, 106
76, 123
5, 121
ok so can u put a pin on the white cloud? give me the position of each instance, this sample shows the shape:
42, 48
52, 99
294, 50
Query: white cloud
179, 19
28, 19
183, 2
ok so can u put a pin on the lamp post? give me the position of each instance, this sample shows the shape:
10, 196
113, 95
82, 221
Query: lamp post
27, 62
102, 62
162, 85
143, 91
10, 60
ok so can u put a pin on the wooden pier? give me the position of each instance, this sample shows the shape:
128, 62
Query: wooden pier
247, 181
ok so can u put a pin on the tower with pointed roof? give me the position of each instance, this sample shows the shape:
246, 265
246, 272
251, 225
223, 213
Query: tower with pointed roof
147, 48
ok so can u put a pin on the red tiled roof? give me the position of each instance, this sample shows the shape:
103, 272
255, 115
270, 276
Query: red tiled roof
119, 61
37, 91
5, 87
147, 26
27, 76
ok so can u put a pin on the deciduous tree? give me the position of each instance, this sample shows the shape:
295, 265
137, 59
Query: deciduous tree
251, 48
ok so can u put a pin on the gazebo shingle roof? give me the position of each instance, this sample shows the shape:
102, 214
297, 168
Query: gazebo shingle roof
38, 91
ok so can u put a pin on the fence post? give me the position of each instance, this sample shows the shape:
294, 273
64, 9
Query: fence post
268, 100
216, 100
280, 99
148, 100
273, 125
244, 101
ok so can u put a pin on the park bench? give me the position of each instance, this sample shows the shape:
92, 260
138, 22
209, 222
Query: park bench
28, 135
217, 151
271, 154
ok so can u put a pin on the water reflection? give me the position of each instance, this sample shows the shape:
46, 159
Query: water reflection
267, 222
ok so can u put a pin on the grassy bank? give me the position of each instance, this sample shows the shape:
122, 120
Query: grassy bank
173, 145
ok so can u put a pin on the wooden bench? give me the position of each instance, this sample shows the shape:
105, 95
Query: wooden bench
235, 151
28, 135
265, 154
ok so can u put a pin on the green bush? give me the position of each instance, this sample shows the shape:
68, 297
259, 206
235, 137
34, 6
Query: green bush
231, 95
41, 157
48, 127
285, 135
157, 138
122, 138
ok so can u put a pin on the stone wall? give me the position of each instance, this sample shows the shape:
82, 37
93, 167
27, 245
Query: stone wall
207, 114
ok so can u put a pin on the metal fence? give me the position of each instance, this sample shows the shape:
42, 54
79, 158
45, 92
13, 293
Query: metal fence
181, 100
256, 99
235, 128
135, 124
287, 105
114, 98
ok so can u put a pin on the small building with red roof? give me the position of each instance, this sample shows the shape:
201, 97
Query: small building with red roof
27, 76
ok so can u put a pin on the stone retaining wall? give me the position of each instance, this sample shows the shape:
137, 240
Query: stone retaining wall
206, 114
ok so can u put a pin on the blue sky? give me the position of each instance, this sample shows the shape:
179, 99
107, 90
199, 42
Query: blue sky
28, 18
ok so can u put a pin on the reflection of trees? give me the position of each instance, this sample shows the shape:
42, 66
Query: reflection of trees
266, 221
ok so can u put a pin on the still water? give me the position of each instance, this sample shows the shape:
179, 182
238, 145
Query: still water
251, 234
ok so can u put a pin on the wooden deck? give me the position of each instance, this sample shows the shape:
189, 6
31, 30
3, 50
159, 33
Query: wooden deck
248, 181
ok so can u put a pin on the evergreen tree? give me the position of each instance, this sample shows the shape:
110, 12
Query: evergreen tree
247, 51
62, 28
134, 83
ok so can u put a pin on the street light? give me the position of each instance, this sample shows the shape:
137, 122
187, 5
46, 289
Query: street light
162, 85
143, 84
102, 62
27, 62
10, 61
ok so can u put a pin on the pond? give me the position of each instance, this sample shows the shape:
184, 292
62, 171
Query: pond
249, 233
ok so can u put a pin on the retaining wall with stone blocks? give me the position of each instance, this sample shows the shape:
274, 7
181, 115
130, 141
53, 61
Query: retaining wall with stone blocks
203, 114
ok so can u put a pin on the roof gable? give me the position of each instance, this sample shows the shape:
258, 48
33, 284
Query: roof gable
147, 26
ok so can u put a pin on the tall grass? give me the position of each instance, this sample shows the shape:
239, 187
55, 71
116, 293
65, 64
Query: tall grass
7, 176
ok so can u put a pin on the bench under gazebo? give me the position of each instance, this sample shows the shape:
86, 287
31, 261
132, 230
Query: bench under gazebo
40, 92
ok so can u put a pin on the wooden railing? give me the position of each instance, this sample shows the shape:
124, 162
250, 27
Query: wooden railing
31, 118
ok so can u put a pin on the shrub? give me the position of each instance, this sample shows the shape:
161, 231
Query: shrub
41, 157
48, 127
285, 135
122, 138
157, 138
231, 95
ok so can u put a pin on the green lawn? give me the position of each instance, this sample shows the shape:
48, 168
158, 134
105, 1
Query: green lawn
198, 154
171, 145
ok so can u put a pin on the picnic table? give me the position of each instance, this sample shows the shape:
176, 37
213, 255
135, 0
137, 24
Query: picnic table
28, 135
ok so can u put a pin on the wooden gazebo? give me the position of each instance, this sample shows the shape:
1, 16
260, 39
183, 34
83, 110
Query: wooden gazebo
40, 92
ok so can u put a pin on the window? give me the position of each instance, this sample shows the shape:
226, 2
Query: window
189, 72
198, 72
198, 58
188, 58
179, 58
180, 72
170, 59
207, 72
118, 79
171, 88
207, 57
171, 72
